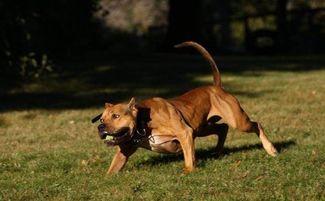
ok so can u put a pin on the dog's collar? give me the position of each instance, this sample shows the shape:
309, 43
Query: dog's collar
142, 131
139, 135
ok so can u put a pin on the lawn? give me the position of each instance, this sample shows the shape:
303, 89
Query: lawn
49, 150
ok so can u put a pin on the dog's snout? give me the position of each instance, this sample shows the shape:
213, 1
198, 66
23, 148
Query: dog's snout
101, 127
102, 131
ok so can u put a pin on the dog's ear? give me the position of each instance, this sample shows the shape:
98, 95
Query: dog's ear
107, 105
96, 118
131, 106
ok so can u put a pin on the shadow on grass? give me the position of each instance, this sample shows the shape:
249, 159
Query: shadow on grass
90, 83
202, 155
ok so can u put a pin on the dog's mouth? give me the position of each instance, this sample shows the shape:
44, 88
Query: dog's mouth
119, 137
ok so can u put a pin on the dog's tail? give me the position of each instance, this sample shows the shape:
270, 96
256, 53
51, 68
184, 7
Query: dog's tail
206, 55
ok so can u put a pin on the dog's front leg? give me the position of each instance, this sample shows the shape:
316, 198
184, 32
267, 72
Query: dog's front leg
120, 158
187, 142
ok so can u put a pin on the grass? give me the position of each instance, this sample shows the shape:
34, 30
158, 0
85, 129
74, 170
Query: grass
49, 150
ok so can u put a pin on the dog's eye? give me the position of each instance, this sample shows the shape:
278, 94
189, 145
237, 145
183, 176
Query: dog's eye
115, 116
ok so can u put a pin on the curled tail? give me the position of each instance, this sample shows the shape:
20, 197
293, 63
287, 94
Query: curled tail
206, 55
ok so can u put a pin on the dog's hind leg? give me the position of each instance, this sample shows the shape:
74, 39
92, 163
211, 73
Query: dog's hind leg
222, 131
257, 128
230, 110
213, 128
248, 126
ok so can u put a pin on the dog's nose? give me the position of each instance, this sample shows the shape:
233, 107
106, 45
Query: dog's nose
101, 127
102, 131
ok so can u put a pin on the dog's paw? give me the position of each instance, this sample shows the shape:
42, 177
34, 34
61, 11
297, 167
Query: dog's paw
271, 150
218, 153
187, 170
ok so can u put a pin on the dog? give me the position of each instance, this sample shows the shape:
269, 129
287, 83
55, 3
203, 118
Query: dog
171, 126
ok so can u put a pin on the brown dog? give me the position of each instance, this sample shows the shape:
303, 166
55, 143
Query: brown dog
170, 126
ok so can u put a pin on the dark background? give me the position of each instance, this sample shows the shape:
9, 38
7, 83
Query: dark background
37, 35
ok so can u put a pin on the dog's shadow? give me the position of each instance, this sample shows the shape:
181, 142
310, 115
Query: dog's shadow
202, 155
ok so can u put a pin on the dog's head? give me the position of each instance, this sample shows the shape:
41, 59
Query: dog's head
118, 122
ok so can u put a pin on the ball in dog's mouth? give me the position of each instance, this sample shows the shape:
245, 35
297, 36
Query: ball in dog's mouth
108, 138
118, 138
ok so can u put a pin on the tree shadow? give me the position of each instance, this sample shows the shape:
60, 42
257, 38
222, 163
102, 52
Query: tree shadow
91, 82
203, 155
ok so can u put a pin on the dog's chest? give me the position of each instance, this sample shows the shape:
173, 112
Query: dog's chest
163, 144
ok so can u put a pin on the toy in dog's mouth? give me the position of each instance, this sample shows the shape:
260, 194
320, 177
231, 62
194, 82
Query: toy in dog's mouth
121, 136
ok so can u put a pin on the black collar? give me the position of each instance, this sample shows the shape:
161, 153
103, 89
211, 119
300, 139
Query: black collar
142, 130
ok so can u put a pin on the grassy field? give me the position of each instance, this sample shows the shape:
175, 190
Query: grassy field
49, 150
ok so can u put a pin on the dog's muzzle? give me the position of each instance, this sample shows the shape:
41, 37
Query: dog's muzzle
123, 135
102, 131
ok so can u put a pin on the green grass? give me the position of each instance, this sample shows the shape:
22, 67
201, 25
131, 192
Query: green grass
49, 150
